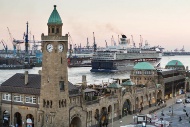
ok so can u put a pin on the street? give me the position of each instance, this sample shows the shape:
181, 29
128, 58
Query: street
178, 111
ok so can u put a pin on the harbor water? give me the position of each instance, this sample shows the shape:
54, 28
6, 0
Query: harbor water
75, 73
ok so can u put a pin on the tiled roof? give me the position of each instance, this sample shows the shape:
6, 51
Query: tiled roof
16, 84
72, 87
175, 78
87, 90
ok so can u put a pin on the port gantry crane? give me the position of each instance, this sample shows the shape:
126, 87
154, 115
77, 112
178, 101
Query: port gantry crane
16, 43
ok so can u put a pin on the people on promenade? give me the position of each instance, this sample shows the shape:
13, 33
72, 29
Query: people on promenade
187, 114
180, 118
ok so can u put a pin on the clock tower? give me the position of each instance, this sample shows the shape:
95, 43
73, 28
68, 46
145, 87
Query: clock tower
54, 97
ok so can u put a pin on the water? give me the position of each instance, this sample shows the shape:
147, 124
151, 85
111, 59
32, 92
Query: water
75, 74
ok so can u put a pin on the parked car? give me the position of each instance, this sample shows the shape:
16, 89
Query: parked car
179, 101
187, 100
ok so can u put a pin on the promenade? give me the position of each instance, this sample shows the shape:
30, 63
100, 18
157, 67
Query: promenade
129, 118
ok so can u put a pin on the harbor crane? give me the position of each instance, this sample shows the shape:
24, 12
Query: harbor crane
5, 46
11, 39
16, 43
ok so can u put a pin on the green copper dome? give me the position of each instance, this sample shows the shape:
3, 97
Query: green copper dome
143, 66
114, 85
54, 17
174, 63
128, 83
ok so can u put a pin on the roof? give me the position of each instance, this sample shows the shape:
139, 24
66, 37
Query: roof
143, 66
72, 87
87, 90
55, 17
114, 85
174, 63
167, 71
16, 84
128, 83
173, 79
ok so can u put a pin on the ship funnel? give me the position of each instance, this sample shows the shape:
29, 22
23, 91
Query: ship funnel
123, 36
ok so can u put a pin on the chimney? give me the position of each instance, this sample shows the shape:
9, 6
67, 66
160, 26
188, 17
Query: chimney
84, 83
187, 68
39, 72
26, 77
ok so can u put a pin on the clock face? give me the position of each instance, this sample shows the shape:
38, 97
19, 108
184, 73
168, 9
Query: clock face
49, 47
60, 48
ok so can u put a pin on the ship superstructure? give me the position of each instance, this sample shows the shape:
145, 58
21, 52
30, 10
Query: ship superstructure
123, 57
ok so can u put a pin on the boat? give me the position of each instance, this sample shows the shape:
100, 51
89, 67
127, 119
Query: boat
78, 61
123, 57
79, 57
13, 63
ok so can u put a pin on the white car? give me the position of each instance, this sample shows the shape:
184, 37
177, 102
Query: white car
178, 101
187, 100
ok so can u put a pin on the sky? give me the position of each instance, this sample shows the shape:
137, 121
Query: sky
161, 22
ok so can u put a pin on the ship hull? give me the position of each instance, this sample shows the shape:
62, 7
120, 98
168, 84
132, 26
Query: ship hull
79, 62
120, 65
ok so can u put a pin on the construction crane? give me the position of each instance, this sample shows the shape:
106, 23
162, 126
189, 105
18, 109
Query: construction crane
11, 39
5, 46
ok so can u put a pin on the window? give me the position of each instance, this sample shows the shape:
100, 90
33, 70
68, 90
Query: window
147, 72
61, 85
30, 99
52, 30
57, 30
6, 97
18, 98
138, 72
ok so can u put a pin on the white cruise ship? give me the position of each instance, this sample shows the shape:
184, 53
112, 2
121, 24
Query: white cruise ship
123, 57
